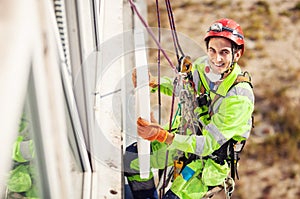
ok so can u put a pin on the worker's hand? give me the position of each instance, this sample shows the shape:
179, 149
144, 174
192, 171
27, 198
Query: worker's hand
151, 131
152, 80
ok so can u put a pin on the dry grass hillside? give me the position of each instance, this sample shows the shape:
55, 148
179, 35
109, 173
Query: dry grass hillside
269, 168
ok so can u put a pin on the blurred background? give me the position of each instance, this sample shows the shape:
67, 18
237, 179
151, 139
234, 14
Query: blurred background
68, 104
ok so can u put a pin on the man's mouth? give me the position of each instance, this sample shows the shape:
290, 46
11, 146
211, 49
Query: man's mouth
218, 65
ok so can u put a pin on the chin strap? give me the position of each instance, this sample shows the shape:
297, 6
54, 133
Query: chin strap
224, 74
231, 65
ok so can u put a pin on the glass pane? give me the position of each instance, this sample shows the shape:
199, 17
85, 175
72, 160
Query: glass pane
28, 175
23, 181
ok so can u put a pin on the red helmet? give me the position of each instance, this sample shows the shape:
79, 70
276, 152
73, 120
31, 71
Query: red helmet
226, 28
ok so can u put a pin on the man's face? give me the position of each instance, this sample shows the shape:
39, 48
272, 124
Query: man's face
219, 54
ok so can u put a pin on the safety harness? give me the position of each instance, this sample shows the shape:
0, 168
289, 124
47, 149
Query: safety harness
229, 151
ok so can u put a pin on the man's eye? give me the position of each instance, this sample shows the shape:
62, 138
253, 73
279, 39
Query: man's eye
225, 52
211, 50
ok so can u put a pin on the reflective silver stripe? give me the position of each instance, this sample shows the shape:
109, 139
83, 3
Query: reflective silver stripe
247, 133
200, 141
219, 137
236, 90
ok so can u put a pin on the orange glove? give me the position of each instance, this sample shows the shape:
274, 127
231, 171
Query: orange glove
151, 131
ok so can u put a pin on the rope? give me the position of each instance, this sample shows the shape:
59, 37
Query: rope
158, 63
177, 47
152, 35
173, 28
158, 74
167, 152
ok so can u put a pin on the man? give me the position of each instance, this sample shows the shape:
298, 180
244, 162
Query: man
225, 105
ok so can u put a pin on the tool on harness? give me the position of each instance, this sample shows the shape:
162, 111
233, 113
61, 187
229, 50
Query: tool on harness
203, 100
184, 64
187, 103
178, 164
236, 149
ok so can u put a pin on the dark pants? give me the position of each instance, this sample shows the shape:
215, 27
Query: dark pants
140, 190
170, 195
145, 189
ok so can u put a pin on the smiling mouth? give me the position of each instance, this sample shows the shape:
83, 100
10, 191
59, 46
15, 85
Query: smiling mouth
218, 65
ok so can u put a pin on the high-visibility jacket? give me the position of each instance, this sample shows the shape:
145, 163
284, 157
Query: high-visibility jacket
229, 116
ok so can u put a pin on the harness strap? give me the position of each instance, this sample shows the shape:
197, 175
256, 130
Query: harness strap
245, 77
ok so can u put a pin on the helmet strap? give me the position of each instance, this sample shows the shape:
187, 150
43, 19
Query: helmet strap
225, 73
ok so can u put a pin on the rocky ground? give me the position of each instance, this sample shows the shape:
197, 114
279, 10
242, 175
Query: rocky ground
269, 168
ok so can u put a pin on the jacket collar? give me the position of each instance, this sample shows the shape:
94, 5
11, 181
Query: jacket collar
225, 85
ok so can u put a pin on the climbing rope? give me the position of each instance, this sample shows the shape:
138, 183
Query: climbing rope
174, 32
152, 35
158, 63
177, 48
181, 58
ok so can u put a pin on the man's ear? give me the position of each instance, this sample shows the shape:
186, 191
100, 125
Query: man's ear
237, 55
